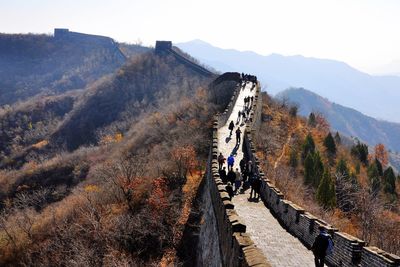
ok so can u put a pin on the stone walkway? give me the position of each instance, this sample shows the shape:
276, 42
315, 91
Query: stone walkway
280, 247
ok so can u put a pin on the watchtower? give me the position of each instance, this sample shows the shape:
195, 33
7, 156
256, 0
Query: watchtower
162, 46
60, 32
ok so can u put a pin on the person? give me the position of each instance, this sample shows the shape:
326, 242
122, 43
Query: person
222, 175
238, 132
229, 190
323, 243
238, 119
221, 161
252, 186
231, 126
250, 169
231, 176
257, 187
244, 117
242, 165
231, 161
238, 180
252, 98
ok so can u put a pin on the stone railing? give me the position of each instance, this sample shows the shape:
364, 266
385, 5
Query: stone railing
236, 246
348, 251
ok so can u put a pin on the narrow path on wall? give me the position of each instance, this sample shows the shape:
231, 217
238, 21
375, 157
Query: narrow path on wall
279, 246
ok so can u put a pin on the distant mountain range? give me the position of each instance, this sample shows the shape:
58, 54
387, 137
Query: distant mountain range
376, 96
346, 120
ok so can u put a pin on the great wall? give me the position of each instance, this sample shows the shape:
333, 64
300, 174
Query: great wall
226, 238
227, 235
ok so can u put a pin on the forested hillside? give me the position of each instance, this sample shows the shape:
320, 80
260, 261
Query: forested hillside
343, 183
106, 176
41, 64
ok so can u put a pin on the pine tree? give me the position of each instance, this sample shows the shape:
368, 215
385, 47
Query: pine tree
326, 195
360, 151
338, 140
312, 121
374, 180
389, 180
318, 169
309, 169
330, 145
293, 158
308, 146
379, 166
342, 169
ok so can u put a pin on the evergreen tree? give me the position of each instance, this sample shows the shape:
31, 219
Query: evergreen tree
374, 180
326, 195
318, 169
312, 121
338, 140
360, 151
330, 145
389, 180
342, 169
293, 158
309, 169
379, 167
308, 146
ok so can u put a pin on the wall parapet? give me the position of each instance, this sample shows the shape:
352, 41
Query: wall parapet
348, 251
236, 246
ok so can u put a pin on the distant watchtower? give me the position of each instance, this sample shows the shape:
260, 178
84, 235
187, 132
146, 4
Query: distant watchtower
60, 33
163, 46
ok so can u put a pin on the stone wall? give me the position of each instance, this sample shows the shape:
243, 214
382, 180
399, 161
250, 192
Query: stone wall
236, 246
348, 251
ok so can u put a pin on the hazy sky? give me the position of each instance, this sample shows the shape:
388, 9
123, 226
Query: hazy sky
363, 33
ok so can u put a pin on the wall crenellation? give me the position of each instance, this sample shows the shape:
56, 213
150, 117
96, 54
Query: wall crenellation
236, 246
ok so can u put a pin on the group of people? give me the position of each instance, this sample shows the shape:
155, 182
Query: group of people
238, 132
242, 179
248, 78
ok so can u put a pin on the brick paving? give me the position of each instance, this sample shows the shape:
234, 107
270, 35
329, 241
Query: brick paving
280, 247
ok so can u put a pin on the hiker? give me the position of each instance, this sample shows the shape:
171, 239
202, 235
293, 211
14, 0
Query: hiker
244, 117
231, 176
238, 180
222, 175
323, 245
231, 126
238, 118
256, 187
252, 98
238, 132
231, 161
242, 165
221, 161
250, 169
229, 190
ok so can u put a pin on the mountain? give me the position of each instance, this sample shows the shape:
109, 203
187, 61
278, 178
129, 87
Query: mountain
376, 96
32, 64
346, 120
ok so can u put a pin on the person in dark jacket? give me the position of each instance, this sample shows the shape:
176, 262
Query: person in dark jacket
222, 175
229, 190
231, 126
242, 165
221, 161
238, 132
320, 246
231, 176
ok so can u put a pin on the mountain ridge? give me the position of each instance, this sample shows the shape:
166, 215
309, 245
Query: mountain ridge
335, 80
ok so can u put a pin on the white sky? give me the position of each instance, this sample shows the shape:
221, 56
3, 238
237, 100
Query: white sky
363, 33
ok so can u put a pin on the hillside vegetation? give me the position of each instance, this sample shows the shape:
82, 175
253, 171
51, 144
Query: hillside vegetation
124, 199
346, 120
349, 187
41, 64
